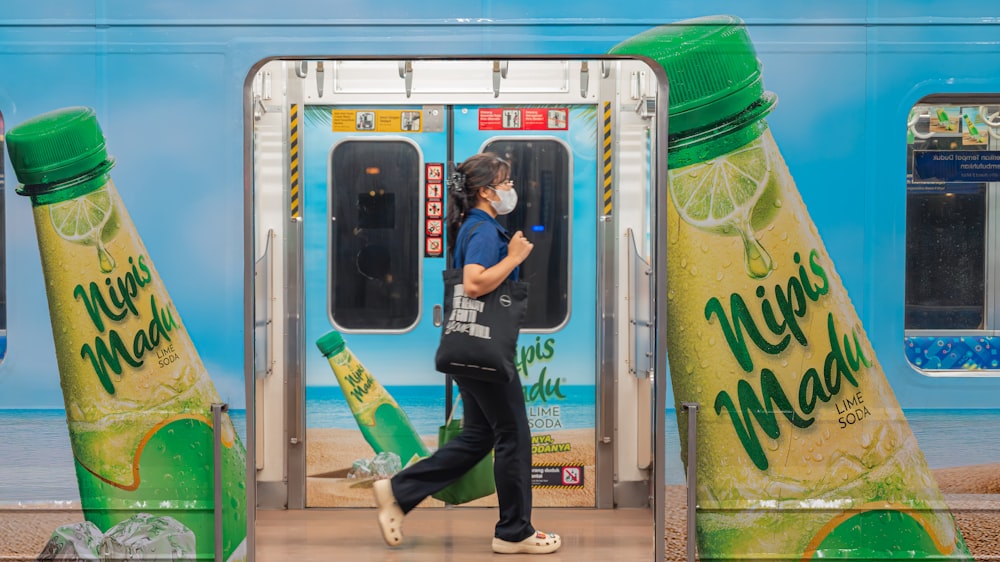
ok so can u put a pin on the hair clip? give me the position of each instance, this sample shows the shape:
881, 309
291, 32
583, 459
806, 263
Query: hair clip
457, 182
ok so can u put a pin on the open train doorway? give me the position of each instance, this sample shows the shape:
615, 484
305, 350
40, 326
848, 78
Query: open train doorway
350, 161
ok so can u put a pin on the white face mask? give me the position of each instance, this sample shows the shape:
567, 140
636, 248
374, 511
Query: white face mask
507, 202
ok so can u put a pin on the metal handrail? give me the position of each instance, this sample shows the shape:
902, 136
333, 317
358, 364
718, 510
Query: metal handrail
692, 464
217, 411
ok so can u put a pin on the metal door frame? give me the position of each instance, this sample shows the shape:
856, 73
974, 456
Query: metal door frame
292, 322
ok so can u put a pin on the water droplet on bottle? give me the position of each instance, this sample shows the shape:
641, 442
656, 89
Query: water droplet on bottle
107, 262
756, 260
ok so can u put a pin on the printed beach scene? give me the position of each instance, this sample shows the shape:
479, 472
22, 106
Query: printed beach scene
38, 490
562, 432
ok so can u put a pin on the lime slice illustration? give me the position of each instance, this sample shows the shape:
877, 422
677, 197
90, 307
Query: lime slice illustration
734, 194
88, 220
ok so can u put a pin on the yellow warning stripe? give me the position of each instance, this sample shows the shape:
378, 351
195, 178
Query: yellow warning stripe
607, 158
293, 161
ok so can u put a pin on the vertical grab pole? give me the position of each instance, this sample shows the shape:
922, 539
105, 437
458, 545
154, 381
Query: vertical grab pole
217, 411
692, 463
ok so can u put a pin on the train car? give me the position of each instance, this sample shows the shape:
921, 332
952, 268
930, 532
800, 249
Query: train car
224, 235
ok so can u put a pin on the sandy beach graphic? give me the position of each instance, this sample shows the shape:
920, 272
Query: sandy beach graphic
972, 493
330, 453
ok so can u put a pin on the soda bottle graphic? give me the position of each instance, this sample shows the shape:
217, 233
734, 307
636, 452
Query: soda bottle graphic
382, 422
971, 127
803, 451
944, 121
138, 398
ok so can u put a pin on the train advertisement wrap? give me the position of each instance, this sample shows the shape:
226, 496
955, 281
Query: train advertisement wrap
831, 279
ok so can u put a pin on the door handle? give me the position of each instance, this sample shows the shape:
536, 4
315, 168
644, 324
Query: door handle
437, 315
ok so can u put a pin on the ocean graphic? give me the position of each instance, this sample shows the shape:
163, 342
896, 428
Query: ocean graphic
424, 405
36, 459
37, 463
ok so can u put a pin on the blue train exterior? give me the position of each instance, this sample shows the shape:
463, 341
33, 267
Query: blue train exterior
171, 83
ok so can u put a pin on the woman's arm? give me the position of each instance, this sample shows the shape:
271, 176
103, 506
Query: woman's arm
478, 280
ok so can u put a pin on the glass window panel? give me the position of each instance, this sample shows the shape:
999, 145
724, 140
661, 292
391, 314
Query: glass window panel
374, 235
541, 172
946, 257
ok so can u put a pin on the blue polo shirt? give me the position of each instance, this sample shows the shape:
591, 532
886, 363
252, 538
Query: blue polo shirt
485, 244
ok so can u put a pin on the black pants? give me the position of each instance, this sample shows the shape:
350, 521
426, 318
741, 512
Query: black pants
495, 419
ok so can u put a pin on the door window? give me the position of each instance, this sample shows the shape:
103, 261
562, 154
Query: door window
541, 170
374, 235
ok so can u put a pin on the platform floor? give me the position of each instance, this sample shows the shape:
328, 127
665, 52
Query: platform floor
462, 534
457, 534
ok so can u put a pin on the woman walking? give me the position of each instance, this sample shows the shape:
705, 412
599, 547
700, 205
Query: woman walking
494, 413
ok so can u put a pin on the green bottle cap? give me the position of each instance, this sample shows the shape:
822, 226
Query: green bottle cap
713, 76
56, 147
330, 343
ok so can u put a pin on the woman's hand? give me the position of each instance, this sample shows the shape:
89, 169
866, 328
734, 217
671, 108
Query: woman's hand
519, 247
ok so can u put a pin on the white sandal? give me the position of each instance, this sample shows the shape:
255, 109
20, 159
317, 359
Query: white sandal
539, 543
390, 515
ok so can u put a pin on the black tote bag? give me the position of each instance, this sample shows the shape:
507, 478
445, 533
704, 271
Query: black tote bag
479, 336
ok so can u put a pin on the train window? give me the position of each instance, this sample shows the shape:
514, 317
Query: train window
951, 315
541, 170
374, 235
3, 252
945, 247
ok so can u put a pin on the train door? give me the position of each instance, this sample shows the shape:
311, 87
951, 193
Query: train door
374, 251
